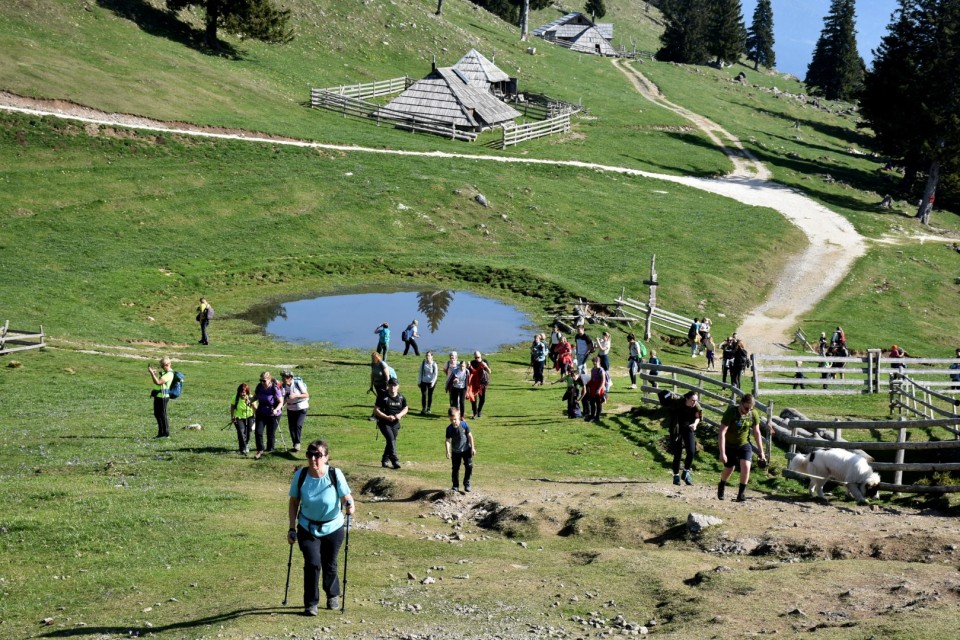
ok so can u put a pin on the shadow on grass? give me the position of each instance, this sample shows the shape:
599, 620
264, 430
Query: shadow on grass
165, 24
134, 631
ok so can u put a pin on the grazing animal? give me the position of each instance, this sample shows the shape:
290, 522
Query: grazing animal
839, 465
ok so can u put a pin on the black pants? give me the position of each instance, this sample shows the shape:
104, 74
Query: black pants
477, 403
319, 556
538, 366
390, 431
382, 349
686, 441
270, 423
735, 373
411, 343
295, 420
592, 407
458, 398
203, 331
160, 413
466, 458
244, 426
426, 395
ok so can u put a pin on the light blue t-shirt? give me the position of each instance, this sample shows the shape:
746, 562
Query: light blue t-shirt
320, 502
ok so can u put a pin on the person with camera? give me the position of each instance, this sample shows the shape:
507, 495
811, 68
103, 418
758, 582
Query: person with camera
389, 410
317, 525
162, 380
383, 340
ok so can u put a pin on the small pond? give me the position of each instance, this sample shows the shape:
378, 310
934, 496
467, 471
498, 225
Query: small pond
448, 320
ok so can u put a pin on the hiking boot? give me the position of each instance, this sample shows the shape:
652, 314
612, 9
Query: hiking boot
720, 489
454, 488
466, 488
688, 477
384, 464
311, 610
396, 465
741, 498
333, 602
633, 386
676, 479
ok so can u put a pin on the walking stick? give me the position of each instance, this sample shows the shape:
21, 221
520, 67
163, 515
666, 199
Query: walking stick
286, 589
346, 555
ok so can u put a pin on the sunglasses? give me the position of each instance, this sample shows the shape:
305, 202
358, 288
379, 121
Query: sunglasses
315, 454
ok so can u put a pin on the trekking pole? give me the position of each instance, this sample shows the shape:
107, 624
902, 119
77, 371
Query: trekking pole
346, 555
280, 429
286, 589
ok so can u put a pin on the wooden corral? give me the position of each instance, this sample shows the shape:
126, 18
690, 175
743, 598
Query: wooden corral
13, 340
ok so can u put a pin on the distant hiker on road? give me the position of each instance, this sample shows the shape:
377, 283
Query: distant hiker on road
204, 315
161, 394
389, 410
383, 341
409, 337
460, 449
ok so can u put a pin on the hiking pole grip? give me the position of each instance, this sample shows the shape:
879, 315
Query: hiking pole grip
346, 556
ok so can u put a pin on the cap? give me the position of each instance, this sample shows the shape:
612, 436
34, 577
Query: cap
393, 381
286, 373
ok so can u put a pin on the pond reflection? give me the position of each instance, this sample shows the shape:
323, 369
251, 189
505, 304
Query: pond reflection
457, 320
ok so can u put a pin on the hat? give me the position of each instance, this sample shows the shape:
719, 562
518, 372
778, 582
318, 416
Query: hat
393, 381
286, 373
893, 348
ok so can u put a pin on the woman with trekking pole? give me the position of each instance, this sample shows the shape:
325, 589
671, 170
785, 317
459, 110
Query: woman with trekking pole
317, 525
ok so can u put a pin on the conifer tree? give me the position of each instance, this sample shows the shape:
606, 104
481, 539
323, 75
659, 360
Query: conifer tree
257, 19
760, 37
596, 9
727, 34
685, 38
836, 70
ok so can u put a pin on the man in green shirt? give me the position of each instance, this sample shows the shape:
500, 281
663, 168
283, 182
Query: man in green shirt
735, 427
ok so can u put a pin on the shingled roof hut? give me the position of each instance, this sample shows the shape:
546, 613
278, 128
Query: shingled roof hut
445, 96
483, 73
579, 33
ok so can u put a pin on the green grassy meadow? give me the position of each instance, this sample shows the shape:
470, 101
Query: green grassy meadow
108, 236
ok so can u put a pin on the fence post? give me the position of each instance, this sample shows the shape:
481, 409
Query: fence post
756, 380
769, 431
793, 432
870, 376
879, 365
901, 437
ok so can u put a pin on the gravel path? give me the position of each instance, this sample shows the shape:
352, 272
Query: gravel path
834, 245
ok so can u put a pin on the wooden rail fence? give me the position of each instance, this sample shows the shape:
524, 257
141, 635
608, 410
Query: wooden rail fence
21, 340
640, 312
906, 395
364, 90
515, 134
358, 108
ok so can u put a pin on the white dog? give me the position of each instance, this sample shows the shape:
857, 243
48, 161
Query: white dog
840, 465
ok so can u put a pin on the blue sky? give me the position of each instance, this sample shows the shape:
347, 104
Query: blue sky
797, 25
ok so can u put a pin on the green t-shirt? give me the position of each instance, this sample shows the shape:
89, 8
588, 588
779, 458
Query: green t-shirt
166, 379
739, 427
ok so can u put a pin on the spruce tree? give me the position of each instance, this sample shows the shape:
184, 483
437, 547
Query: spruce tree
760, 37
685, 38
257, 19
727, 35
596, 9
836, 70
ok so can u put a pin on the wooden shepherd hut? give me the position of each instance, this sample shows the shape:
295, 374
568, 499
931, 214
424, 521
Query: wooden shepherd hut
579, 33
482, 73
445, 96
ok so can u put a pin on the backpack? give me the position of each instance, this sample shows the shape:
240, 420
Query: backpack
484, 377
210, 312
642, 349
176, 387
407, 334
304, 472
692, 331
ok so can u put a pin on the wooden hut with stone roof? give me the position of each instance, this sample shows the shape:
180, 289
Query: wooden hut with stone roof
483, 73
446, 97
577, 32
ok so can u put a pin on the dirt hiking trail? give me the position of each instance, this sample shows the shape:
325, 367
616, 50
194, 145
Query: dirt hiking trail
834, 245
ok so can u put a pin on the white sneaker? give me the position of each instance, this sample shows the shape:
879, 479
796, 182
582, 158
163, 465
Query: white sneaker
633, 386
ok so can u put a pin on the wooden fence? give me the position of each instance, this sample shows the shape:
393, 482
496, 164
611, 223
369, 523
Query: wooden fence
366, 90
515, 134
358, 108
635, 310
13, 340
813, 434
906, 395
835, 375
543, 107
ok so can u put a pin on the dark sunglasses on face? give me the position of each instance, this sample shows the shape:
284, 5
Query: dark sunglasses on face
315, 454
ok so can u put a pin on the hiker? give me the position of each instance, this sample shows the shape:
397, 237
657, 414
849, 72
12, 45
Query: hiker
555, 336
685, 415
823, 345
241, 415
595, 392
538, 358
456, 385
409, 337
162, 380
460, 449
451, 364
736, 425
585, 347
297, 399
839, 351
427, 381
204, 314
638, 351
704, 330
379, 374
564, 355
838, 337
477, 384
727, 349
574, 393
389, 410
711, 350
383, 340
693, 337
654, 360
269, 398
741, 360
799, 376
898, 354
316, 524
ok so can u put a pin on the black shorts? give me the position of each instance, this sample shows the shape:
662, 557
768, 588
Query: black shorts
737, 453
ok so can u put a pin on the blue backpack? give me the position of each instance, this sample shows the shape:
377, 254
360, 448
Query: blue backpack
176, 387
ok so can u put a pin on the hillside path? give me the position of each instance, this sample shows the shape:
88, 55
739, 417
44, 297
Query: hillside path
833, 247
